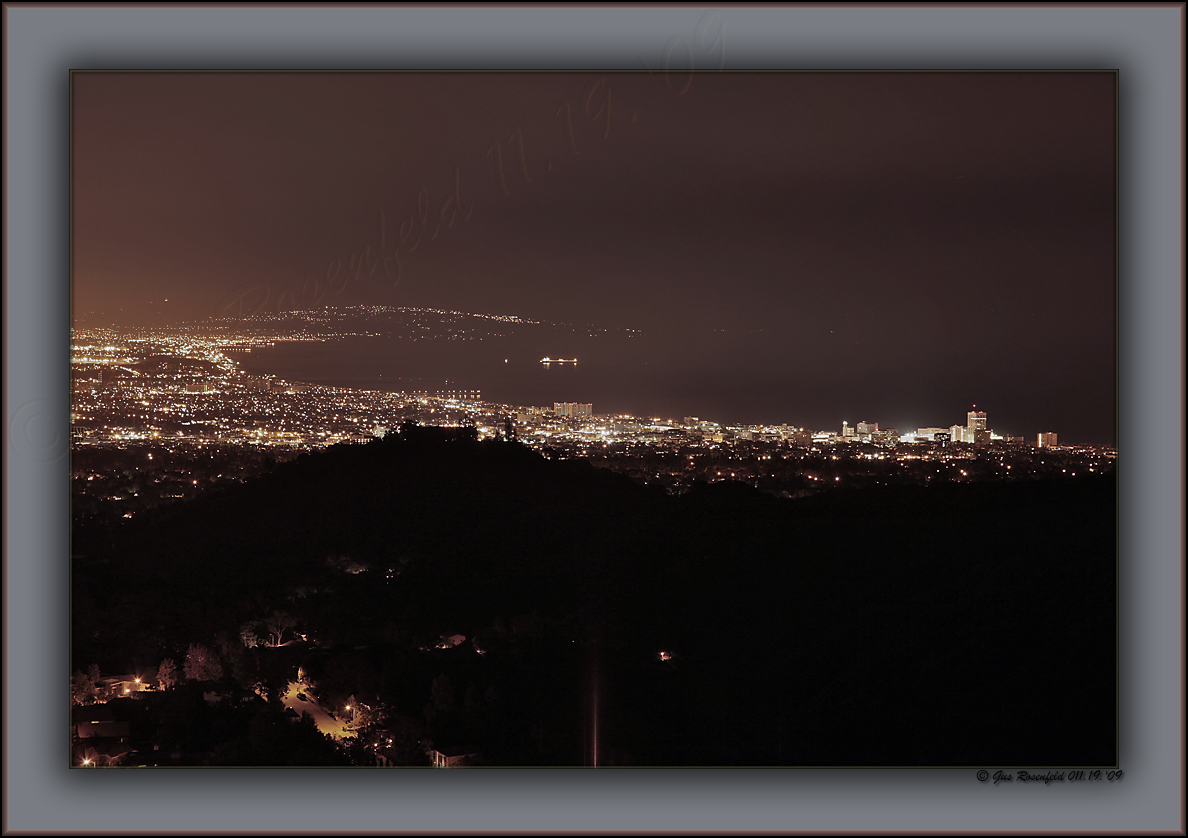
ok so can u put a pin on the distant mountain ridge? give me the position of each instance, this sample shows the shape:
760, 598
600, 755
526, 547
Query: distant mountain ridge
399, 321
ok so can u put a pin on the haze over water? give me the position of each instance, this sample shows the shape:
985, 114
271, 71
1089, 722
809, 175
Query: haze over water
644, 375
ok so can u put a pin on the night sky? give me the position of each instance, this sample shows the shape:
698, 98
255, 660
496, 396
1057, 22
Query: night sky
892, 247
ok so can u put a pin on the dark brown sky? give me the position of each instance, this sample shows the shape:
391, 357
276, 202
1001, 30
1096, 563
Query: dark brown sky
909, 243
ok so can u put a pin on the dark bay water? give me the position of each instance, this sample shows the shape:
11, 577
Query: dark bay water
721, 377
644, 376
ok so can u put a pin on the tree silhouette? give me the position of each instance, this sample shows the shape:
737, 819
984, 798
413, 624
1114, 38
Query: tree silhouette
202, 665
278, 623
167, 674
247, 634
82, 688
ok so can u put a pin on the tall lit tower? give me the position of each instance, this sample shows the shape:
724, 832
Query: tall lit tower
975, 420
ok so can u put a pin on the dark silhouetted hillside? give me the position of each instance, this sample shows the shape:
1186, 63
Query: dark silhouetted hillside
951, 625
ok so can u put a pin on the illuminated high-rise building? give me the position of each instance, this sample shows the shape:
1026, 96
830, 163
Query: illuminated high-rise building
975, 420
867, 429
1046, 441
572, 409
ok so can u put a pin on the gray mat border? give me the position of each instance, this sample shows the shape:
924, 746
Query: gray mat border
44, 42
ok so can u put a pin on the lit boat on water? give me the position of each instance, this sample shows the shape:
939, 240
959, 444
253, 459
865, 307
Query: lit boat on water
558, 360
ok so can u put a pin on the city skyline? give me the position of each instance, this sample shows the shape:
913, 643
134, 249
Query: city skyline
851, 243
224, 351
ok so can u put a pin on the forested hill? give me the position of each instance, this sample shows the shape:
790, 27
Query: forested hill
969, 624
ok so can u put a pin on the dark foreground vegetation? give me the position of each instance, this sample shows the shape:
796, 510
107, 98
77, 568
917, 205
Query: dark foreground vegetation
966, 624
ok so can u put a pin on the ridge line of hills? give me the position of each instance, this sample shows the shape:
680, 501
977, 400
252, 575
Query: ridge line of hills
897, 626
